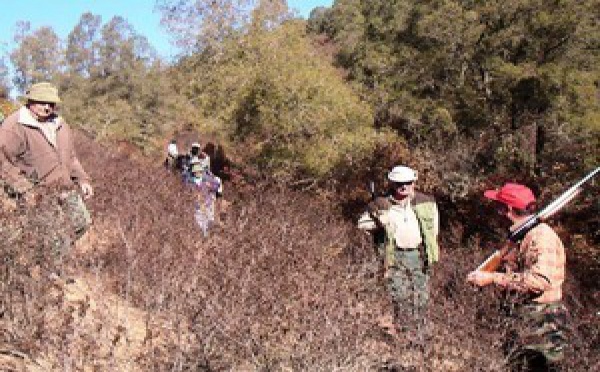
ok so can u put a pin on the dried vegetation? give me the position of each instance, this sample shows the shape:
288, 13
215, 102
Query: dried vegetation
283, 283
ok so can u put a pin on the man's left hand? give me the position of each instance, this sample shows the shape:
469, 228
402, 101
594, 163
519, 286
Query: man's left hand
481, 278
87, 190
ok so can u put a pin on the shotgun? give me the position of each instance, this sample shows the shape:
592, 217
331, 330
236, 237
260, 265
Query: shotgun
373, 213
372, 190
492, 263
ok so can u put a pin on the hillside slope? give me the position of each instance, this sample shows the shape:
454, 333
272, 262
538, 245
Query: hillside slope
284, 282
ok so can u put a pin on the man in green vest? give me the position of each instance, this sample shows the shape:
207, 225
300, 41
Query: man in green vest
408, 222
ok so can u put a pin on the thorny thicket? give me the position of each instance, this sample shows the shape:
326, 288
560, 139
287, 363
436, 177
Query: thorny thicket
284, 282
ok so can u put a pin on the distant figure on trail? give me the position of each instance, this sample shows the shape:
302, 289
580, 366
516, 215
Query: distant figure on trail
196, 152
172, 154
195, 149
405, 224
208, 186
194, 168
37, 154
195, 156
180, 162
534, 273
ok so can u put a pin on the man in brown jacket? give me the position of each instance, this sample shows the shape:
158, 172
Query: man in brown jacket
36, 150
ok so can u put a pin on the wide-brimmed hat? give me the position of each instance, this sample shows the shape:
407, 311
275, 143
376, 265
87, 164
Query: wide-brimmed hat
512, 194
402, 173
43, 92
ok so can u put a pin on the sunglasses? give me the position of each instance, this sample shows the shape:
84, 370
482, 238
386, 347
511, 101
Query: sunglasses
403, 184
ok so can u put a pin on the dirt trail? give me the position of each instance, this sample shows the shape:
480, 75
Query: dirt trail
107, 332
120, 328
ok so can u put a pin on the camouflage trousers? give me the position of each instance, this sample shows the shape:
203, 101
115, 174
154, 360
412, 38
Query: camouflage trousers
408, 285
55, 224
545, 332
75, 210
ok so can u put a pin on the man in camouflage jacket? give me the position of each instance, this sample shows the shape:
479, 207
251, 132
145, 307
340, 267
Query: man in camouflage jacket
534, 274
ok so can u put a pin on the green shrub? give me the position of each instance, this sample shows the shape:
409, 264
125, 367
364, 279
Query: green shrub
288, 107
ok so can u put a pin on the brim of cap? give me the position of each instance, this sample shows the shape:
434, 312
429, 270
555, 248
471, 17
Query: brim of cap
45, 100
491, 194
397, 178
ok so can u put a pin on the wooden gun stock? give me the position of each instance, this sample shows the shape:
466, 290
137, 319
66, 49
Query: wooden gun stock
492, 263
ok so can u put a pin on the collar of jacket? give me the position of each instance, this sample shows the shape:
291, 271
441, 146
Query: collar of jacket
26, 118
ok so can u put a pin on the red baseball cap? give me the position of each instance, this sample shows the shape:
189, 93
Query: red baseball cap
513, 195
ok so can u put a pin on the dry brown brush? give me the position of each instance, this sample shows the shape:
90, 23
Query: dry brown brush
283, 282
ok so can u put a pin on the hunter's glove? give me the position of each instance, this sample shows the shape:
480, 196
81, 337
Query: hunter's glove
379, 205
377, 210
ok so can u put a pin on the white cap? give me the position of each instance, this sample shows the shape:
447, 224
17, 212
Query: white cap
401, 173
195, 144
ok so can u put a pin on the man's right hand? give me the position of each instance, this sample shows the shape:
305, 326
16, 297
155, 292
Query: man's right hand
480, 278
28, 199
87, 190
387, 273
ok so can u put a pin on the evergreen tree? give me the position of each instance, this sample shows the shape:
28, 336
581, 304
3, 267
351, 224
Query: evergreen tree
83, 45
38, 57
511, 83
203, 24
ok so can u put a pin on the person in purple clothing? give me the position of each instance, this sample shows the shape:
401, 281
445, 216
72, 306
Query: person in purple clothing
207, 186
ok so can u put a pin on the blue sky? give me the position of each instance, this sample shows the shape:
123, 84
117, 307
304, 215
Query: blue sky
63, 15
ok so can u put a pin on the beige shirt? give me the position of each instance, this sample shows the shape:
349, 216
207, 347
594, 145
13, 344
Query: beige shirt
402, 221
